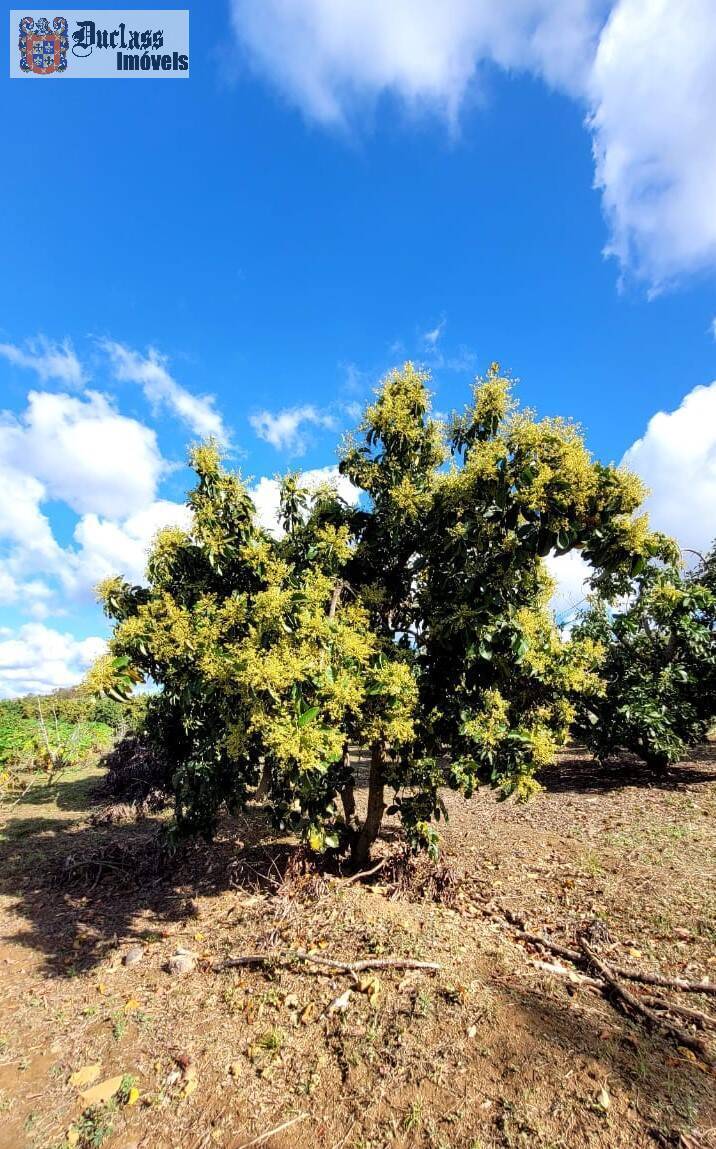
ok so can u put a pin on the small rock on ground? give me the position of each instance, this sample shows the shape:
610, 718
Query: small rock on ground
183, 961
133, 955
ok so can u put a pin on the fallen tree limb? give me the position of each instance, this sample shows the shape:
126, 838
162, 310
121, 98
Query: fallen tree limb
666, 982
621, 970
703, 1020
288, 957
695, 1016
636, 1005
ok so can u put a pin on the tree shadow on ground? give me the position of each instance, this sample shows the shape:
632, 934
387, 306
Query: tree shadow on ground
66, 793
669, 1090
98, 882
575, 771
64, 876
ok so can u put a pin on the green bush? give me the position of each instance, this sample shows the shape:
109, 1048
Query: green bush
658, 678
74, 722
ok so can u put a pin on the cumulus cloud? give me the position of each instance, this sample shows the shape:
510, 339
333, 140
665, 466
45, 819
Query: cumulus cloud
22, 522
642, 70
108, 547
265, 494
284, 430
570, 573
102, 466
653, 93
83, 452
676, 458
198, 412
35, 659
50, 361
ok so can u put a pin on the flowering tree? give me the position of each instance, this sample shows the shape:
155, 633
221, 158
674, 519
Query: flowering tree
414, 623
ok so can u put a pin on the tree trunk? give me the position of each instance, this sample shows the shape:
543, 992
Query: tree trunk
376, 807
348, 796
261, 792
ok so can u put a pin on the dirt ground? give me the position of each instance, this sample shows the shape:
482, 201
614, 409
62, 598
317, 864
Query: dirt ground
500, 1047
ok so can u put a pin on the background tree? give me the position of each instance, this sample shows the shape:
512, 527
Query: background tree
658, 693
415, 623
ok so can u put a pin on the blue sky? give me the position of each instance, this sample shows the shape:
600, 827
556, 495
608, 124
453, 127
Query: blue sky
333, 190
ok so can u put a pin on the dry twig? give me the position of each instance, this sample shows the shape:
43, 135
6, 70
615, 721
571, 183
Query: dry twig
272, 1132
703, 1020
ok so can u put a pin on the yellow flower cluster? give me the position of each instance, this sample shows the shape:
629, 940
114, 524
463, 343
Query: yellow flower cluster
395, 692
100, 677
402, 396
492, 398
489, 727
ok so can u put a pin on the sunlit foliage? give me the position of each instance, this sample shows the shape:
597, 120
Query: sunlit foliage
658, 689
415, 623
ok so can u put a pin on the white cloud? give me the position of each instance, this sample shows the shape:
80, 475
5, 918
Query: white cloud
641, 69
108, 547
101, 465
48, 360
284, 429
83, 452
570, 573
34, 596
431, 337
265, 494
162, 390
35, 659
333, 56
22, 522
676, 458
653, 87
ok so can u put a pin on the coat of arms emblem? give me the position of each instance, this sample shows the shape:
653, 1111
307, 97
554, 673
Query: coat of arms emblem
43, 50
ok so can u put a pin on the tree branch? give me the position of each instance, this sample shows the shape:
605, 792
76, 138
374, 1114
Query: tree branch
634, 1003
288, 957
621, 970
364, 873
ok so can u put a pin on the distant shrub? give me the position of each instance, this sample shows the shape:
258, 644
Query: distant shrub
62, 728
658, 677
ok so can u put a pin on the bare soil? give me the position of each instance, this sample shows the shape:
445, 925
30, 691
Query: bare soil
492, 1050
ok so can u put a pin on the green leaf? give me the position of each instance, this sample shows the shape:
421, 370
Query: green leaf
307, 716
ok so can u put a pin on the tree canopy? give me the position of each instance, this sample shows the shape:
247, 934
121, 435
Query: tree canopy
413, 622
